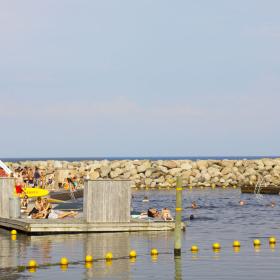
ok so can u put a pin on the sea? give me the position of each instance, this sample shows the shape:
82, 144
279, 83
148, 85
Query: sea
71, 159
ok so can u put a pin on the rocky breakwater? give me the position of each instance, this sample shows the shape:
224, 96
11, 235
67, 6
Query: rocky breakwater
147, 173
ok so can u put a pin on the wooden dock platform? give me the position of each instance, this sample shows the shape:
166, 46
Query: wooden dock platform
30, 226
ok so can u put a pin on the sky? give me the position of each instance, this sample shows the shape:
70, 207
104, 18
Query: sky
139, 78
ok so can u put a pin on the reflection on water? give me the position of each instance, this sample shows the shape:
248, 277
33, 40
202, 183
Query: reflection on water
178, 268
219, 218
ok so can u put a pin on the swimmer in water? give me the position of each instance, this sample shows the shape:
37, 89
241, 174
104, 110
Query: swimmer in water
145, 199
194, 205
241, 202
272, 204
191, 217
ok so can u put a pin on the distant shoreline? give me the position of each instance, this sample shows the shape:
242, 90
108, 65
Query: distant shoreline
193, 158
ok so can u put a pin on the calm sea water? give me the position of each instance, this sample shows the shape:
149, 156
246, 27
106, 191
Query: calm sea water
220, 218
140, 158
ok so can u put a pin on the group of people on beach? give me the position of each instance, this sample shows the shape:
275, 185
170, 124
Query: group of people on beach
33, 177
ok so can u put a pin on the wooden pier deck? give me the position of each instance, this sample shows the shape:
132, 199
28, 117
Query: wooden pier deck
30, 226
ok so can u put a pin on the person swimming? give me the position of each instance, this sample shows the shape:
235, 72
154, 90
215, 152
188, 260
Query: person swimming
191, 217
241, 202
145, 199
194, 205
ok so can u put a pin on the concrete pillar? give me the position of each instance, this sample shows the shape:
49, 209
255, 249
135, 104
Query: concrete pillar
107, 201
7, 192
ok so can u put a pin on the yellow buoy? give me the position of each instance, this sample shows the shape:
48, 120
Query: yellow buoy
13, 232
194, 249
257, 242
133, 254
32, 264
64, 261
190, 187
272, 240
154, 252
88, 258
109, 256
236, 243
216, 246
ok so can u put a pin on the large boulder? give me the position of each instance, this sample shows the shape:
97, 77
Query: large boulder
163, 169
226, 170
104, 171
115, 164
94, 175
186, 166
214, 172
144, 166
169, 164
175, 171
202, 164
116, 173
186, 174
227, 163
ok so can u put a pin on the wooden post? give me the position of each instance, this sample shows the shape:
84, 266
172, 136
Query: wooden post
178, 221
7, 188
107, 201
178, 268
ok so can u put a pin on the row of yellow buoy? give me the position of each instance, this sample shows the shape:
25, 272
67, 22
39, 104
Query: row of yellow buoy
32, 264
235, 244
213, 186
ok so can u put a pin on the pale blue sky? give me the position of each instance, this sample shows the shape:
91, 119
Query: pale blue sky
139, 78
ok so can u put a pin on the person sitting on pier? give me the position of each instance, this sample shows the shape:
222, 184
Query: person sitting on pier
54, 214
153, 213
47, 207
37, 208
24, 203
166, 215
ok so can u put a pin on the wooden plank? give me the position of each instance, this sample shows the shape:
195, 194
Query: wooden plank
78, 226
7, 187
